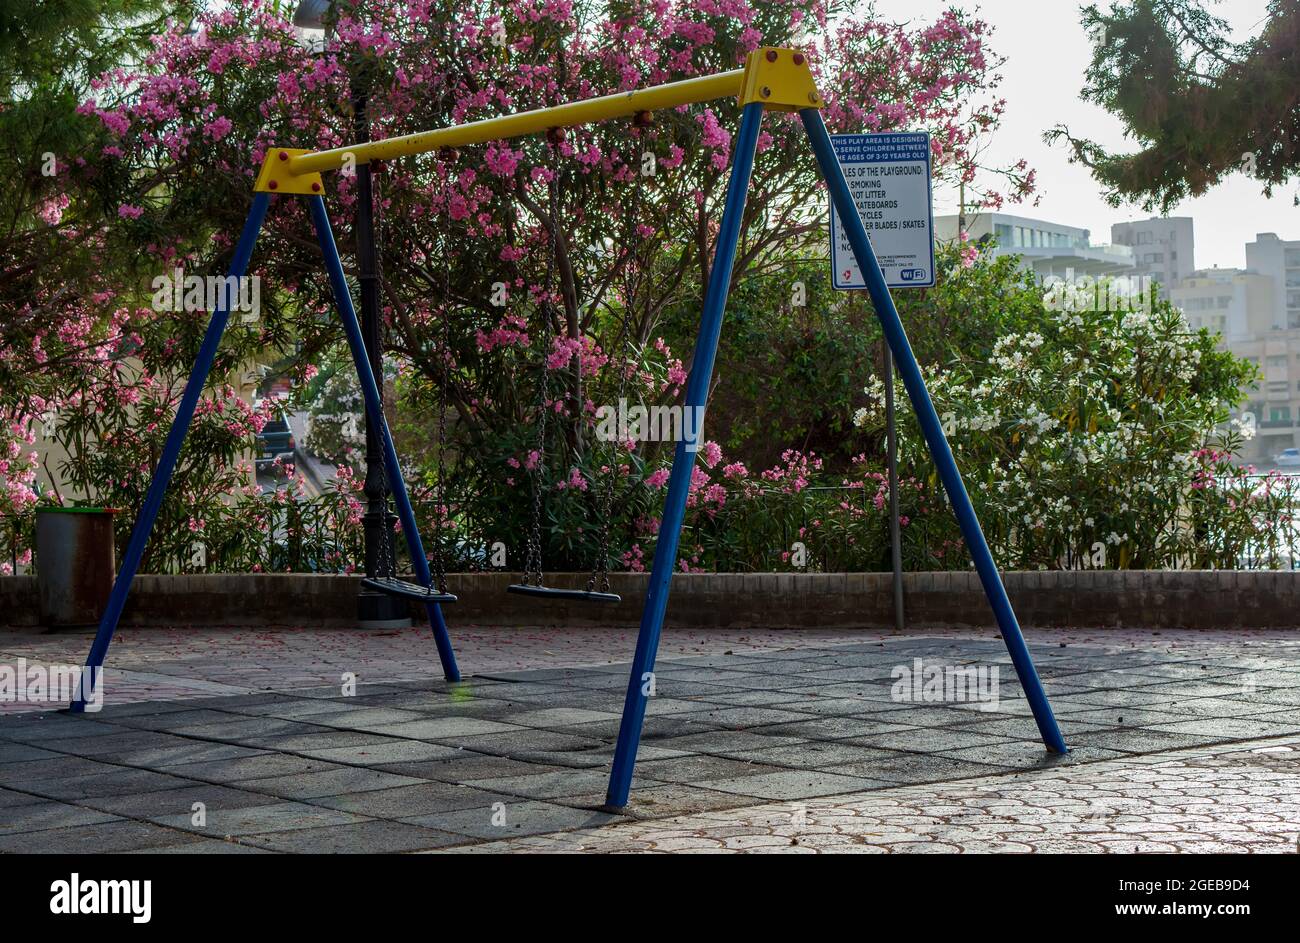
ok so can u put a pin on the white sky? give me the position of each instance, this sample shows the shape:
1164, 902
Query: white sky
1047, 53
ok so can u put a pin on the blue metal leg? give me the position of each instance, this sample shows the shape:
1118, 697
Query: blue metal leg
162, 475
375, 414
697, 392
933, 430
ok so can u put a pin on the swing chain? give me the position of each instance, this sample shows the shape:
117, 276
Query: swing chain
387, 568
599, 579
447, 156
387, 550
533, 562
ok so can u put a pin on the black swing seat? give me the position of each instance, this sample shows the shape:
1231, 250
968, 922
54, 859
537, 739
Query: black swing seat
392, 586
550, 592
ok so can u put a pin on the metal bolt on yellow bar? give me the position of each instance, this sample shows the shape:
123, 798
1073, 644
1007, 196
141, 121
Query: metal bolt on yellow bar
779, 78
276, 177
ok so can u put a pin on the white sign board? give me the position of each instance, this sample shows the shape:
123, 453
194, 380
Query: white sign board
889, 178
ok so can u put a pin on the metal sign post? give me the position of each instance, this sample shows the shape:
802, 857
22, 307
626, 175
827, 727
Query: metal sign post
889, 178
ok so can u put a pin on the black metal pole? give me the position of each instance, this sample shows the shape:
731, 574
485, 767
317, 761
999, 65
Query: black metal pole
374, 610
891, 446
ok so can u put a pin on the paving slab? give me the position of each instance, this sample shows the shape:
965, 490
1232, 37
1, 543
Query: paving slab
554, 785
818, 754
246, 730
386, 751
165, 756
791, 784
92, 838
358, 838
197, 845
468, 767
421, 799
1027, 755
899, 768
262, 766
167, 804
514, 818
318, 739
12, 751
60, 767
349, 779
119, 781
47, 728
258, 819
42, 815
928, 740
10, 798
840, 728
697, 768
445, 728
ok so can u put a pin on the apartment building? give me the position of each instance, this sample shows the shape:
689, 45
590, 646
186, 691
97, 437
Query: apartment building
1048, 249
1164, 248
1240, 305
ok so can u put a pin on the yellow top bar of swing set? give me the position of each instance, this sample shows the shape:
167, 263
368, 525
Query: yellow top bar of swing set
779, 78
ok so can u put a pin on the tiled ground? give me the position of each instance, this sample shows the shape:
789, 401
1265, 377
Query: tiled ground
164, 664
771, 718
1210, 799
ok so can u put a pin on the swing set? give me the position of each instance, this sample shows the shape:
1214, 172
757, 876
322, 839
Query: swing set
775, 79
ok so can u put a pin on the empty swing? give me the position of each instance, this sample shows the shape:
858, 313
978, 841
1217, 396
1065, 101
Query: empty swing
389, 583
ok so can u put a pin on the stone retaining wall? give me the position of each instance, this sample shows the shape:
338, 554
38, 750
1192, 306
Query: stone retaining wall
1081, 599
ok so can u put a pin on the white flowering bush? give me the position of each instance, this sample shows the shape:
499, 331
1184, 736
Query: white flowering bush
1096, 439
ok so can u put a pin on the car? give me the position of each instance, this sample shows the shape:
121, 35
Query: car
1287, 458
275, 441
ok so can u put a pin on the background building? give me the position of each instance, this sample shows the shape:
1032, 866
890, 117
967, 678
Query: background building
1163, 247
1239, 304
1047, 248
1279, 260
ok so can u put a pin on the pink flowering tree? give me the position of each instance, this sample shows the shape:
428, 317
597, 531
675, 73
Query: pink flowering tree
547, 273
55, 260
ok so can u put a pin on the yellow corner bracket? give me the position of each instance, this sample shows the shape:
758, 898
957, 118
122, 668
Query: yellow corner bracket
275, 177
780, 79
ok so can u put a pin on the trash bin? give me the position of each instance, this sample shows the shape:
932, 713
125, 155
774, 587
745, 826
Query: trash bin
75, 564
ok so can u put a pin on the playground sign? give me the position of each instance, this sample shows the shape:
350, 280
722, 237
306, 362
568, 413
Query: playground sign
889, 178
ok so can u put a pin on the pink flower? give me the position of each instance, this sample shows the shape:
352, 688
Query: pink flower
217, 128
501, 160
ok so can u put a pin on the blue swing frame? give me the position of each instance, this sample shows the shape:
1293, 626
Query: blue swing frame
640, 680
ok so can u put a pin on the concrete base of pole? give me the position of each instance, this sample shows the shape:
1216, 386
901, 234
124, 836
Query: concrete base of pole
378, 611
